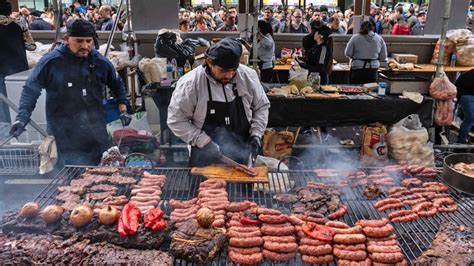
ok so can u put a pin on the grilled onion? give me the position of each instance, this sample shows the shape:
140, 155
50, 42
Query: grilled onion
29, 210
81, 215
108, 215
205, 217
52, 213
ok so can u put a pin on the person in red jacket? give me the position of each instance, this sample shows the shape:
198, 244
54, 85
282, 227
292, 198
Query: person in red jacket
401, 27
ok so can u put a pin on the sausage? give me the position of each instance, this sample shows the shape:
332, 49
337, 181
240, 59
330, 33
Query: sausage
145, 203
238, 206
213, 200
214, 207
245, 259
233, 233
218, 223
178, 213
144, 198
401, 263
396, 189
278, 256
443, 201
414, 201
350, 247
313, 214
281, 239
357, 255
182, 219
439, 195
307, 218
427, 194
386, 201
390, 237
436, 186
418, 189
400, 194
245, 251
383, 231
248, 242
211, 182
295, 220
312, 242
411, 197
280, 247
349, 239
366, 262
317, 259
411, 182
146, 190
212, 194
406, 218
266, 211
373, 223
391, 206
425, 209
273, 219
351, 230
182, 204
337, 224
387, 257
278, 230
339, 213
391, 242
383, 249
219, 213
244, 229
395, 214
315, 250
450, 208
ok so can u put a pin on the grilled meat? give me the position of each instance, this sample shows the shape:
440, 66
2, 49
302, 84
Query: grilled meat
286, 197
97, 179
372, 191
70, 205
99, 195
82, 182
121, 180
102, 187
73, 189
453, 245
106, 170
68, 197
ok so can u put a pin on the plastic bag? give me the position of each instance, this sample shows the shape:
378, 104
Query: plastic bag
410, 122
374, 146
449, 48
166, 45
443, 91
139, 122
278, 145
298, 77
465, 53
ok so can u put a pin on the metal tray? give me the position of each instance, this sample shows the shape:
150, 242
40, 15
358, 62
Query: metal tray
456, 179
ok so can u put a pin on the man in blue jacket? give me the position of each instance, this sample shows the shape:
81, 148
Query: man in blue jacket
75, 77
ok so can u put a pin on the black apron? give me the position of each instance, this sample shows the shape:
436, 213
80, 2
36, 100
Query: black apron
365, 74
227, 125
80, 128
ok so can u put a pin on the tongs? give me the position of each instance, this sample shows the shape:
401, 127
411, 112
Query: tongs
238, 166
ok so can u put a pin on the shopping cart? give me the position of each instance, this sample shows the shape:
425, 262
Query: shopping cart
19, 160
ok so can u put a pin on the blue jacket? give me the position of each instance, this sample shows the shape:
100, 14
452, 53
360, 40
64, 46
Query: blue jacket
75, 90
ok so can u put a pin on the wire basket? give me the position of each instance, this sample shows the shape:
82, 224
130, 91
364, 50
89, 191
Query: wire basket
19, 161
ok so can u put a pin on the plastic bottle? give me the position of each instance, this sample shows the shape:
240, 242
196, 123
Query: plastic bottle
187, 67
453, 60
175, 68
169, 71
382, 89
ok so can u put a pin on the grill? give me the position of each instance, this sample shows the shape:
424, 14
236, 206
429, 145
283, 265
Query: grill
19, 161
414, 237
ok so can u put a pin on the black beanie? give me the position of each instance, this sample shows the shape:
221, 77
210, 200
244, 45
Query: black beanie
225, 53
81, 28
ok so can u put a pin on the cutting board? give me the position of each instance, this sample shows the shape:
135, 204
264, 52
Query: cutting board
230, 174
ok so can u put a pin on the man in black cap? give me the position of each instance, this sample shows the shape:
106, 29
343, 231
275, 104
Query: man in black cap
75, 77
220, 108
39, 23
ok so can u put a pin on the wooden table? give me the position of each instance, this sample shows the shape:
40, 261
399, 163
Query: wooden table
424, 68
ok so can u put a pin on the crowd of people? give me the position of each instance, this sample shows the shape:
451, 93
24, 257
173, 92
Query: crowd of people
295, 20
102, 17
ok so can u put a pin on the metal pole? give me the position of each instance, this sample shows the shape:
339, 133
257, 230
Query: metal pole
112, 33
254, 34
444, 28
57, 23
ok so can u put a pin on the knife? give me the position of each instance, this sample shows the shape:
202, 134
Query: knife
237, 165
251, 161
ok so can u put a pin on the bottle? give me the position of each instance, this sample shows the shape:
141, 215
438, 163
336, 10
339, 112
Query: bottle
453, 60
169, 71
175, 68
382, 89
187, 67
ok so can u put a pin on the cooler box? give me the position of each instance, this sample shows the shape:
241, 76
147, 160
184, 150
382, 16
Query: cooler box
396, 85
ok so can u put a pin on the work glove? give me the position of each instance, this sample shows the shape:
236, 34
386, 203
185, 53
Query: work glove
17, 128
125, 118
212, 151
255, 146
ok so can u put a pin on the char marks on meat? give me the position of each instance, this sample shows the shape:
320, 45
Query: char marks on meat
99, 195
73, 189
106, 170
317, 201
82, 182
286, 197
121, 180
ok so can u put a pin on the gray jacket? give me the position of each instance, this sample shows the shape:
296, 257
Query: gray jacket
266, 51
188, 106
365, 47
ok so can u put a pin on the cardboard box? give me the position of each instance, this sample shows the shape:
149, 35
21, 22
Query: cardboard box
405, 58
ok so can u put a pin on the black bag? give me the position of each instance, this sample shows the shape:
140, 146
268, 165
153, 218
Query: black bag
166, 46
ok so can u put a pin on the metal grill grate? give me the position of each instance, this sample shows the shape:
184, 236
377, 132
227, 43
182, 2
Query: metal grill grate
414, 237
19, 161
